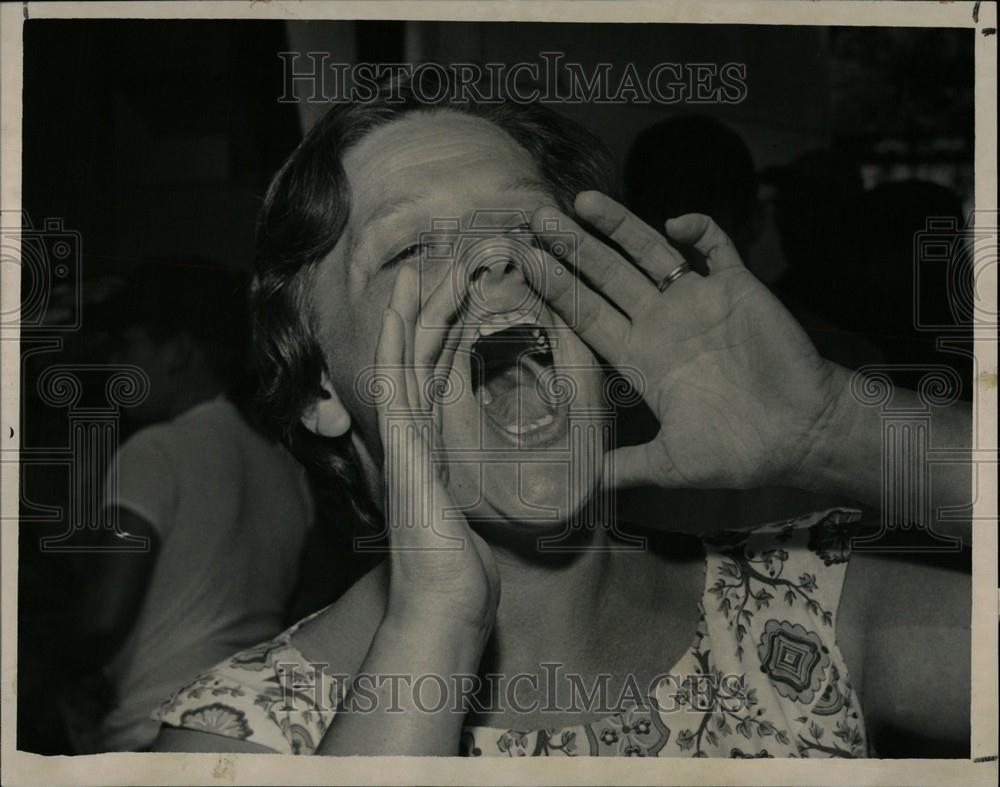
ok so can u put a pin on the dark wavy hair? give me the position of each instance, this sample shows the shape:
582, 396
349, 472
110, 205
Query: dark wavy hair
303, 216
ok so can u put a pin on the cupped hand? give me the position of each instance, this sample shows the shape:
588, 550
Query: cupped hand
440, 571
741, 394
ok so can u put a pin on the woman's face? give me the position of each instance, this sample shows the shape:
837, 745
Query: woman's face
519, 456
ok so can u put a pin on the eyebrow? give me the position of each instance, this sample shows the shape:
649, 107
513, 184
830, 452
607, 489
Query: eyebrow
393, 206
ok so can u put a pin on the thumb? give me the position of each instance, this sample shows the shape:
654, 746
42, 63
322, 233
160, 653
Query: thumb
637, 465
628, 466
416, 502
702, 233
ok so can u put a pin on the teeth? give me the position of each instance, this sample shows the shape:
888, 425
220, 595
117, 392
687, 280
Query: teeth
517, 429
489, 330
499, 322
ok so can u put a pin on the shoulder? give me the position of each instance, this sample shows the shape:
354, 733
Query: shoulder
268, 695
181, 440
283, 694
890, 583
153, 442
143, 476
909, 621
795, 569
790, 564
217, 416
819, 542
209, 440
770, 614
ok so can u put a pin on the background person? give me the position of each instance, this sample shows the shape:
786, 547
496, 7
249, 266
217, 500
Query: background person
694, 164
226, 512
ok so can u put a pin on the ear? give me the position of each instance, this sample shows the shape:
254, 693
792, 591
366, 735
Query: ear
326, 416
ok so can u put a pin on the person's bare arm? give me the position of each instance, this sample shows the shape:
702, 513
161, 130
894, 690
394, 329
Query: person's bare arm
172, 739
116, 583
904, 629
442, 602
848, 457
743, 398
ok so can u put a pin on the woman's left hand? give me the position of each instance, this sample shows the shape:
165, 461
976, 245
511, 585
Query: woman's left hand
741, 394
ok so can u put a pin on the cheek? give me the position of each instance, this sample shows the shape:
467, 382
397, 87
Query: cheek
349, 358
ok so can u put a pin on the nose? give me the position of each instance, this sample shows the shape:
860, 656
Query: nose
497, 282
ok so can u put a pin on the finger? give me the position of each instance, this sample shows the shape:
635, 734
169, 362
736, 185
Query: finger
417, 502
408, 481
604, 269
634, 466
415, 499
442, 372
585, 312
389, 368
405, 302
434, 348
699, 231
405, 460
410, 485
647, 247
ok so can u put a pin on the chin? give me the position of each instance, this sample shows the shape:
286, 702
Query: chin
507, 501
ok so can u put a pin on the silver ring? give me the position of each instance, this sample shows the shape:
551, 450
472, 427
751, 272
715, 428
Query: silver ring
673, 276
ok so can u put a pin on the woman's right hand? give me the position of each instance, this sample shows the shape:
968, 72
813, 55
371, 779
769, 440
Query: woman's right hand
442, 575
443, 582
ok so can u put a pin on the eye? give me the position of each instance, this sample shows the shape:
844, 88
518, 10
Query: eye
404, 255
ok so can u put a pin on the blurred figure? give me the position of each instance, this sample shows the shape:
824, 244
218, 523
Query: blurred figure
818, 210
697, 164
693, 164
894, 215
226, 512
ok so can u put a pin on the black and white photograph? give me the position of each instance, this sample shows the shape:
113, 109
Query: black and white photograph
470, 382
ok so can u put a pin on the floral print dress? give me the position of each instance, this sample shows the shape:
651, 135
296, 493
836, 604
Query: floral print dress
763, 678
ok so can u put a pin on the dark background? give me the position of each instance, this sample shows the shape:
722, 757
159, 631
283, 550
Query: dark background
155, 140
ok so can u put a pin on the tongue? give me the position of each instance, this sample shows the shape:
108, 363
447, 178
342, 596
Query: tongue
511, 398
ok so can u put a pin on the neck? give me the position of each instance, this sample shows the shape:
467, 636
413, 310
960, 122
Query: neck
572, 602
550, 600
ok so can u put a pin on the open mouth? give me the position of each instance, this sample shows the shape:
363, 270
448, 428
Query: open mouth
508, 358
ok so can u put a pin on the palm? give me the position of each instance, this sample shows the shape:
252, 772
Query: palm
728, 375
438, 566
736, 385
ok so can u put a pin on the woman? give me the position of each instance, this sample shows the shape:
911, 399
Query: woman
511, 616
